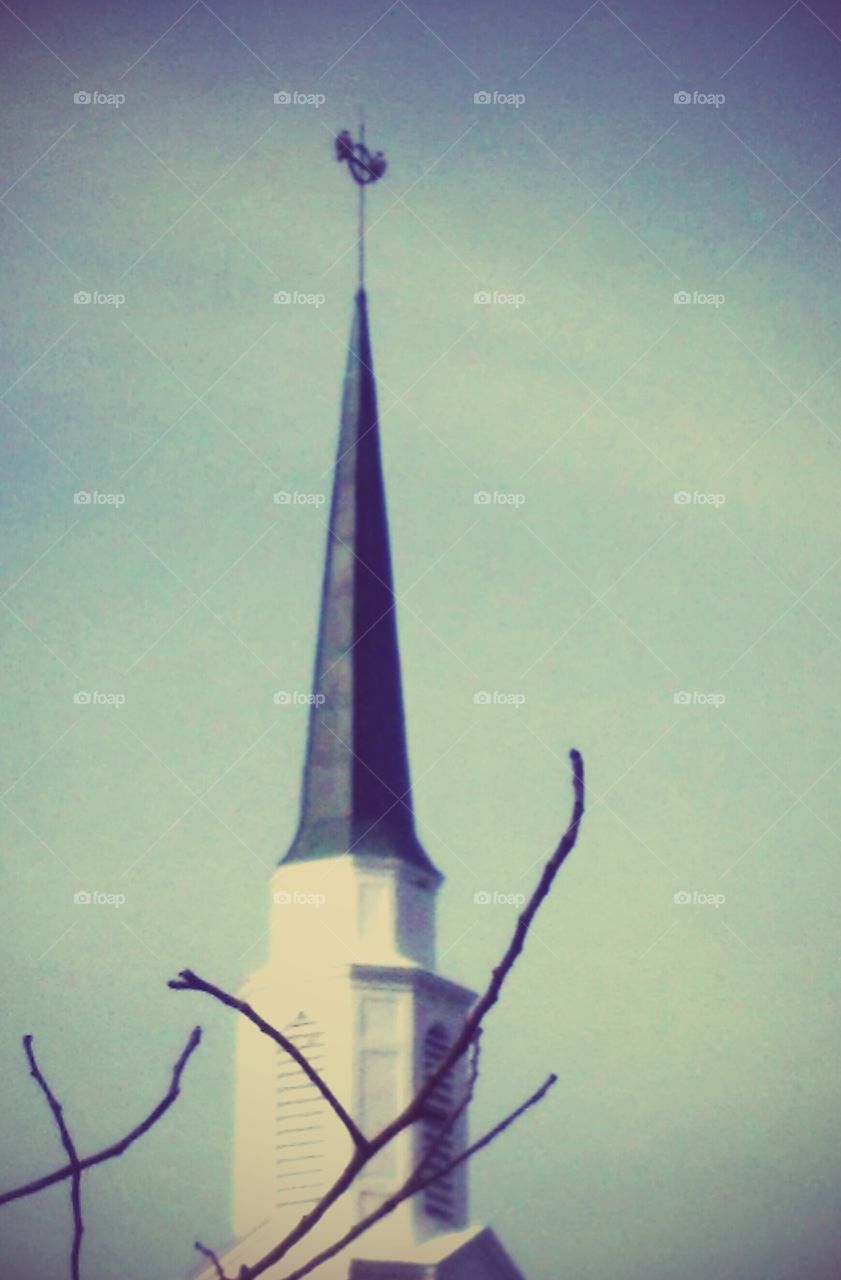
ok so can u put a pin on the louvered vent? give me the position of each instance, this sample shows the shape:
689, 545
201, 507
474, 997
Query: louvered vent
300, 1120
438, 1198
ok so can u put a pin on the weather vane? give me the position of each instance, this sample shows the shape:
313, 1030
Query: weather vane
364, 168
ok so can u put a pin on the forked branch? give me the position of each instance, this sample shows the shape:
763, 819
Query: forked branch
117, 1148
189, 981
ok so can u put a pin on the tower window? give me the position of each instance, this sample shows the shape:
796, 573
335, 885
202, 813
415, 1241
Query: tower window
439, 1197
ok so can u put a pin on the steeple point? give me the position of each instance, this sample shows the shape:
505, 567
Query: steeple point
356, 786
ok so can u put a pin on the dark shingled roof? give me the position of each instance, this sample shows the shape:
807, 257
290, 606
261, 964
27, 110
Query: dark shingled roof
356, 788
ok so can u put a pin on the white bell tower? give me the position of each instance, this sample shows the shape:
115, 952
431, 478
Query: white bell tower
369, 1011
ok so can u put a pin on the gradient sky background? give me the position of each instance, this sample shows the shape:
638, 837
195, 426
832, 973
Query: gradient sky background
694, 1131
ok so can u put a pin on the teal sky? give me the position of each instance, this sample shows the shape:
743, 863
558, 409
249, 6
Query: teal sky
694, 1129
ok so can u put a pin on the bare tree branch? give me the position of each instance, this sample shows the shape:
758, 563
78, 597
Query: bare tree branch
189, 981
109, 1153
70, 1148
485, 1003
467, 1035
411, 1187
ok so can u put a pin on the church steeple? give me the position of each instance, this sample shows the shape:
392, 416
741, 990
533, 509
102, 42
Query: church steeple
351, 974
356, 785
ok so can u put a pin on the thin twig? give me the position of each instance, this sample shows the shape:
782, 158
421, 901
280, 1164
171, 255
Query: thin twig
484, 1141
189, 981
208, 1253
475, 1018
109, 1153
70, 1147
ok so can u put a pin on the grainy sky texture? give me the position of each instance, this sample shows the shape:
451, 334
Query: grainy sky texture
694, 1131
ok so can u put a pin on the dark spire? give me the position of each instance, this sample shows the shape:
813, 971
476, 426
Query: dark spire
356, 788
